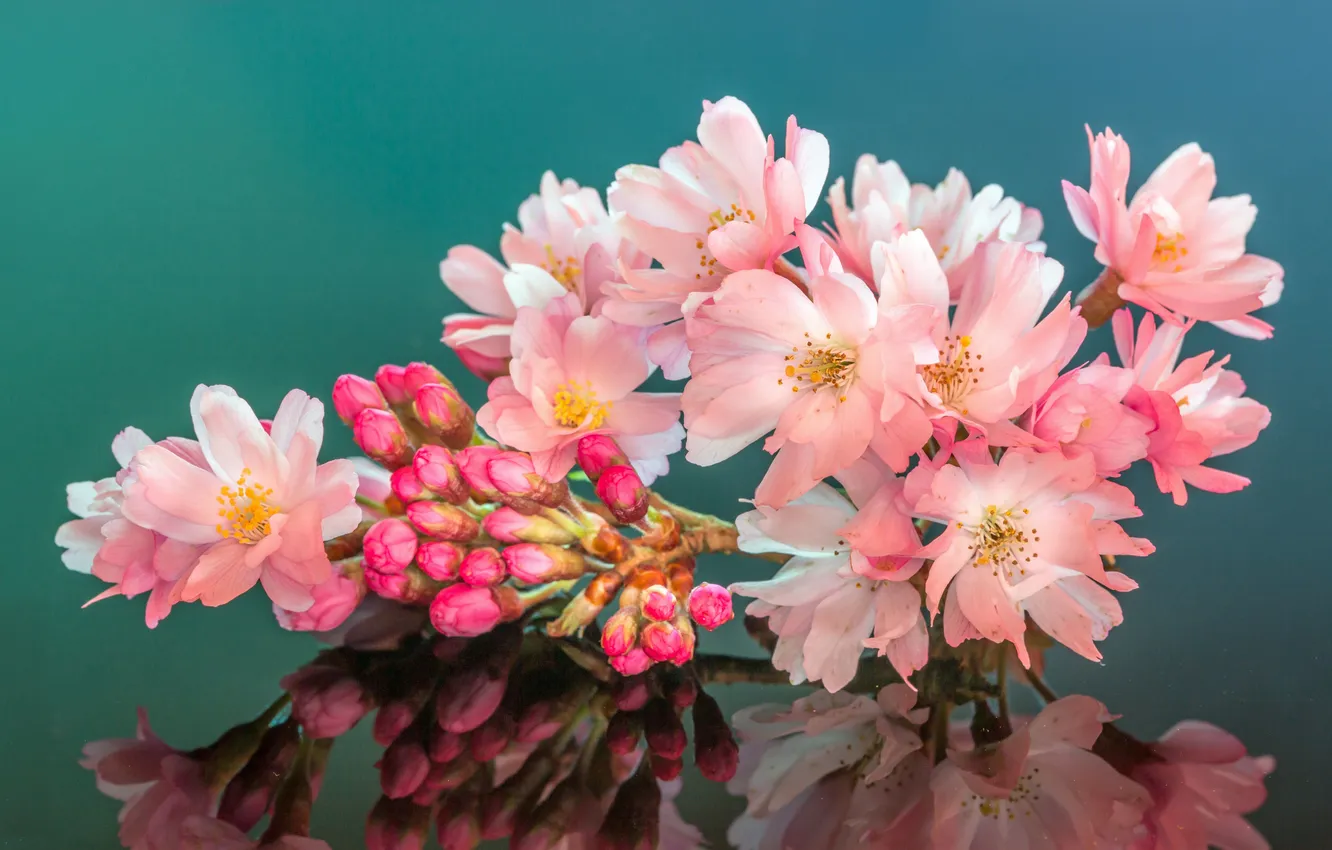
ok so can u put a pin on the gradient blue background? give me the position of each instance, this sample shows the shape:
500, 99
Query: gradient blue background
258, 193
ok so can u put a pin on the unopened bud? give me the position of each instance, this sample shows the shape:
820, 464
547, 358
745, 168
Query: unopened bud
710, 605
410, 587
439, 559
632, 663
445, 746
634, 818
624, 731
250, 793
396, 825
715, 750
623, 492
395, 716
450, 775
406, 486
630, 693
665, 733
620, 634
417, 374
389, 546
352, 394
391, 381
657, 603
443, 412
461, 610
381, 436
514, 475
661, 641
597, 453
443, 522
326, 699
404, 767
472, 463
439, 474
493, 736
482, 568
540, 563
509, 526
457, 826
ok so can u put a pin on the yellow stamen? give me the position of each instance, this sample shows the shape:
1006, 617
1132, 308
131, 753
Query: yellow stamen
577, 406
245, 510
566, 270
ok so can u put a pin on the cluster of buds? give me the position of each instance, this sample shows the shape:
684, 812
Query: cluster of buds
477, 534
507, 735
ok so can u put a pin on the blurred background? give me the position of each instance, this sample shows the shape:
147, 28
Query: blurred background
259, 193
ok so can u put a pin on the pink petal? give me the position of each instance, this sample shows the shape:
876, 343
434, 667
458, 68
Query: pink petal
478, 281
221, 574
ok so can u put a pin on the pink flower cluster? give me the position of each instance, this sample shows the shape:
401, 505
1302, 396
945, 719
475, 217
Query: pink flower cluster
838, 770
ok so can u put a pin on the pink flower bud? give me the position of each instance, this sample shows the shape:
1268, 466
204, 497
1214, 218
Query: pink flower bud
472, 463
469, 700
630, 694
623, 492
597, 453
663, 729
482, 568
509, 526
445, 746
403, 768
250, 792
352, 394
445, 522
664, 768
492, 737
410, 587
446, 777
381, 436
418, 374
657, 603
391, 720
406, 486
435, 468
687, 641
465, 611
539, 563
457, 828
632, 663
391, 381
624, 731
710, 605
661, 641
681, 692
715, 750
621, 632
397, 825
389, 546
334, 601
443, 412
326, 700
440, 559
513, 475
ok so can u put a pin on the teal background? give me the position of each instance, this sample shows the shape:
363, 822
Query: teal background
258, 193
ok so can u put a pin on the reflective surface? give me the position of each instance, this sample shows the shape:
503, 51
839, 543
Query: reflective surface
259, 194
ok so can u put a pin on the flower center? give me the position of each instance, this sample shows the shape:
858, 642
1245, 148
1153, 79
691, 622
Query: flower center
1026, 792
816, 367
1002, 543
245, 512
1169, 251
955, 373
566, 271
706, 262
577, 406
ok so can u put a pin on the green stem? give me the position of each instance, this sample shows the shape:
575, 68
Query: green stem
1039, 686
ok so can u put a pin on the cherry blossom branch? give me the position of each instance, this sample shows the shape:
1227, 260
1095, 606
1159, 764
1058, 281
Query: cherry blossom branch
1038, 685
1100, 299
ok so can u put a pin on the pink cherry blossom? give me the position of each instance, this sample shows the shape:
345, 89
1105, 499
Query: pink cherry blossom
565, 242
574, 375
103, 542
826, 371
828, 602
1197, 411
725, 203
1202, 782
1039, 787
1023, 536
258, 505
815, 773
884, 206
1083, 411
997, 355
160, 786
1173, 248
